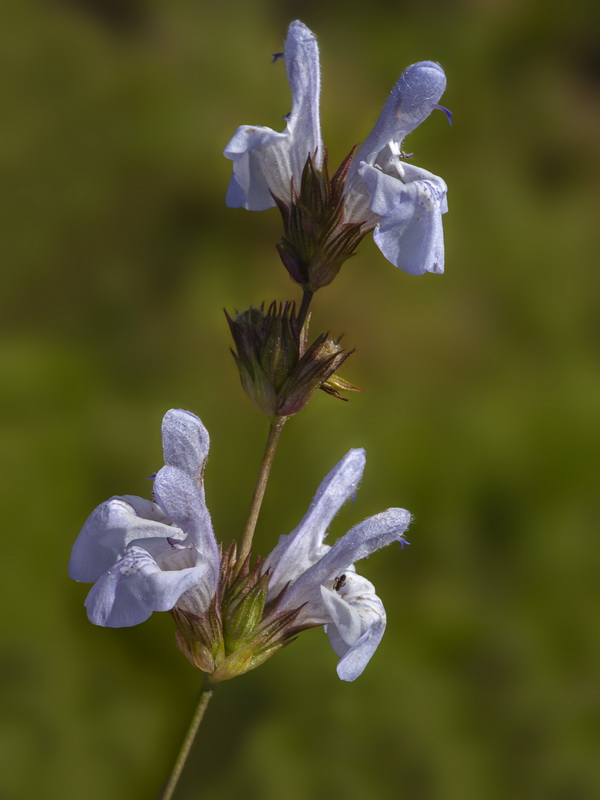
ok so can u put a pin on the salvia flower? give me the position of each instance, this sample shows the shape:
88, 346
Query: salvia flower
402, 203
149, 556
321, 580
264, 161
407, 201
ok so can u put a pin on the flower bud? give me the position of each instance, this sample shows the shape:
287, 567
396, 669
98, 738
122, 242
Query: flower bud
316, 240
278, 371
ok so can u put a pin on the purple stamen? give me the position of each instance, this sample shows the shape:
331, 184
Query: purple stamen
446, 111
276, 57
403, 542
151, 477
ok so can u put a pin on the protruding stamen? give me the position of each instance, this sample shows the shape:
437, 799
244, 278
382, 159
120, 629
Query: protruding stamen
446, 111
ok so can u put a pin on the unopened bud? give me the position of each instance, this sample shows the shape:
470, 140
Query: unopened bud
316, 240
279, 372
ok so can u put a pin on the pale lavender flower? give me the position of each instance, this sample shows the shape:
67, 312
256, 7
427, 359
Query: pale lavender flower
264, 161
322, 580
403, 202
155, 556
149, 556
406, 201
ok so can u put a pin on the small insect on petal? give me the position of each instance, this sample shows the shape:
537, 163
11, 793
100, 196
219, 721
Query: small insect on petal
174, 544
339, 582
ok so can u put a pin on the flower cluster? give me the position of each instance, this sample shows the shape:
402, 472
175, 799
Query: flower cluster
402, 203
162, 555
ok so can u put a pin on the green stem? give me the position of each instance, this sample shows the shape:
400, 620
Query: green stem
275, 429
187, 742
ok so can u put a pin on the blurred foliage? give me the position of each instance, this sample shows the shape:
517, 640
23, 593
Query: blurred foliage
480, 411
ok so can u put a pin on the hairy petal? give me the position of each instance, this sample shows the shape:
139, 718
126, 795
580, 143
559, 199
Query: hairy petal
264, 161
362, 540
411, 101
180, 498
185, 442
134, 587
304, 76
297, 551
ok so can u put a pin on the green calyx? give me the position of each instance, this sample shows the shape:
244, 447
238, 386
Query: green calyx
239, 631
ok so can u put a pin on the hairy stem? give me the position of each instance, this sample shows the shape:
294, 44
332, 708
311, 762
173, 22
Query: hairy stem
187, 742
259, 492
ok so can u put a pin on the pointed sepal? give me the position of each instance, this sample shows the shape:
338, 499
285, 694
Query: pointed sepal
317, 237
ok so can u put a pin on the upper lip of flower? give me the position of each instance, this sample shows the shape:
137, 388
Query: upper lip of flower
405, 205
411, 101
265, 161
147, 556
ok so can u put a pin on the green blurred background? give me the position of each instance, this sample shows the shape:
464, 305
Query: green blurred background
480, 411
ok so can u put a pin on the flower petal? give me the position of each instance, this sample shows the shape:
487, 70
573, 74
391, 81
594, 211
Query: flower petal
357, 624
183, 501
412, 100
352, 664
260, 165
297, 551
365, 538
135, 587
264, 161
409, 232
304, 76
356, 658
185, 442
108, 531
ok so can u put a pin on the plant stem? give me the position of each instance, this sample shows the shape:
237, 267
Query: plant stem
307, 296
275, 429
188, 741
